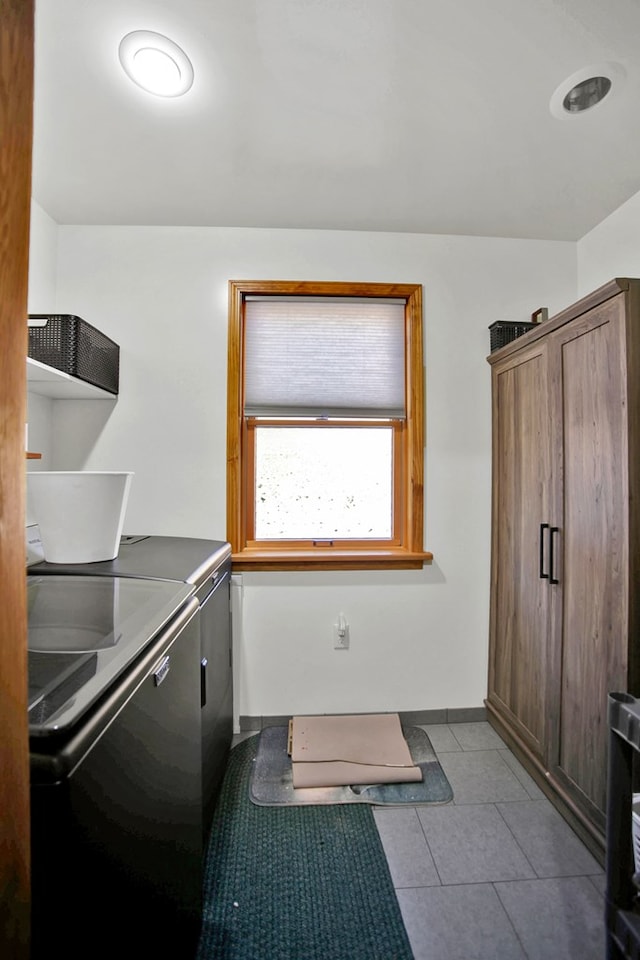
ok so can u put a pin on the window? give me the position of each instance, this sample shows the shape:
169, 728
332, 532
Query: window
325, 430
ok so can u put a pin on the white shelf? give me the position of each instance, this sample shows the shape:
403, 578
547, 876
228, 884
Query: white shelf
49, 382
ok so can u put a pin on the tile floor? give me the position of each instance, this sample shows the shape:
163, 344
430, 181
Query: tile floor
497, 874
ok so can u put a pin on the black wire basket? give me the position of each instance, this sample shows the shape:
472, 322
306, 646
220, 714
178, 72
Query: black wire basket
70, 344
504, 331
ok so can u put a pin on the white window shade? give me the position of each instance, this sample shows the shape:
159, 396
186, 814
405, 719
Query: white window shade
334, 358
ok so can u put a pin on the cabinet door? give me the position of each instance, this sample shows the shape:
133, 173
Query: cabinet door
521, 498
590, 658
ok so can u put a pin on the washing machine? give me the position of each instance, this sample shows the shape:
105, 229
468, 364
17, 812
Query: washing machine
205, 564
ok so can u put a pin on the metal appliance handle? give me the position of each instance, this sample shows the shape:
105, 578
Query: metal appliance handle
203, 681
161, 671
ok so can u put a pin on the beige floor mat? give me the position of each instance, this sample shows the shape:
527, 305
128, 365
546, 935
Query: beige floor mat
331, 751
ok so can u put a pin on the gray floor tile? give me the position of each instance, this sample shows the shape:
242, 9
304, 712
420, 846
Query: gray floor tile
472, 844
458, 923
477, 736
556, 918
481, 776
549, 843
405, 847
498, 874
441, 737
600, 883
524, 778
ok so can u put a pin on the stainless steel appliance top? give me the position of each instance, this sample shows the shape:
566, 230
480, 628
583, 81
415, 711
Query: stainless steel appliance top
186, 559
83, 632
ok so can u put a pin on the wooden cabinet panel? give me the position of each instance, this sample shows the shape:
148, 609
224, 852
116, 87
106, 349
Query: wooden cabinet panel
591, 652
566, 451
522, 462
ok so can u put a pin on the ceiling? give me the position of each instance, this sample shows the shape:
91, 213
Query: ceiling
394, 115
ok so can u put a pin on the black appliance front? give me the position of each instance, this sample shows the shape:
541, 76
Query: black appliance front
207, 565
117, 858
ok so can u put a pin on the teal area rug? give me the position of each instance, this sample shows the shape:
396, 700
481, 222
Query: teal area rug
272, 777
296, 882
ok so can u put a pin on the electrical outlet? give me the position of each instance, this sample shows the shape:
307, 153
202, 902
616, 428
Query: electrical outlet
341, 634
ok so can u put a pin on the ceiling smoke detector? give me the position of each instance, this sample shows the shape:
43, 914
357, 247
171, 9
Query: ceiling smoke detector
155, 63
584, 90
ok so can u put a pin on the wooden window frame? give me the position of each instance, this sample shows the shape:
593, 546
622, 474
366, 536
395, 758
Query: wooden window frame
405, 551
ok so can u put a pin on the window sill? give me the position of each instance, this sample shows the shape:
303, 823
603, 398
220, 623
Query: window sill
261, 560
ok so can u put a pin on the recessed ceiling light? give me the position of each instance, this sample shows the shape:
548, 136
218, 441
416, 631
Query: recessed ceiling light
584, 90
586, 94
155, 63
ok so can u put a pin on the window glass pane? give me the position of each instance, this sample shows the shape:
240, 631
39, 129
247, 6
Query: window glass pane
316, 483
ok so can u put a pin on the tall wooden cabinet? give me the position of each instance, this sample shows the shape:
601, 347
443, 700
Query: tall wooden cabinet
565, 568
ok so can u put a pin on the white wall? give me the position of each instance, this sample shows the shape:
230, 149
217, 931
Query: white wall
418, 638
612, 249
43, 254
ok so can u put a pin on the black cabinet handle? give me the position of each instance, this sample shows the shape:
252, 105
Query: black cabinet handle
543, 575
553, 532
203, 681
